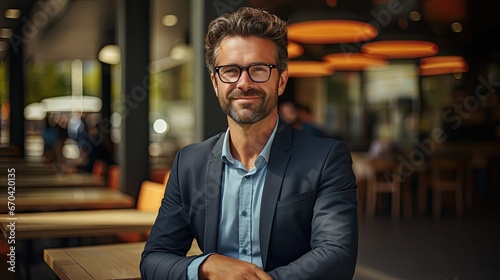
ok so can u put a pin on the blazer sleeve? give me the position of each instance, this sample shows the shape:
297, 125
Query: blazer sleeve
334, 226
164, 255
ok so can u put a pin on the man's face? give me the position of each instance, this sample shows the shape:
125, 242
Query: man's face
246, 101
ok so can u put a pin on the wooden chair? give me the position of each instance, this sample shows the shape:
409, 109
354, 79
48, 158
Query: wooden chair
150, 197
114, 177
424, 183
447, 175
383, 177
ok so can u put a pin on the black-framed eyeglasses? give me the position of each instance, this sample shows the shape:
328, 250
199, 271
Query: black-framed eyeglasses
259, 72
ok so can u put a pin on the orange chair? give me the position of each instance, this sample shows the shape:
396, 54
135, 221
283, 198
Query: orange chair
150, 197
99, 168
114, 177
167, 175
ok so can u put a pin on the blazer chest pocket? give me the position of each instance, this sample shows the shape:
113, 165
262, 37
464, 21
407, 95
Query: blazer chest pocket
295, 199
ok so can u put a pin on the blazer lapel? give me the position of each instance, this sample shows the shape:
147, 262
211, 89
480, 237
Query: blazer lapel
278, 160
213, 183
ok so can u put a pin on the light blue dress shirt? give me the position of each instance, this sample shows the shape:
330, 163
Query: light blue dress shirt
241, 198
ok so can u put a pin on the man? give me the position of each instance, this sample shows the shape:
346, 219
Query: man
263, 200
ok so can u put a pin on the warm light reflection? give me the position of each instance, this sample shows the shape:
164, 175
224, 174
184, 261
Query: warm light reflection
309, 69
34, 111
415, 16
331, 31
160, 126
70, 149
439, 65
399, 49
456, 27
110, 54
12, 13
155, 149
70, 104
294, 50
5, 33
169, 20
353, 61
116, 119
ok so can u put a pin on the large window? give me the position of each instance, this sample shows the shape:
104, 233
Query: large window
392, 102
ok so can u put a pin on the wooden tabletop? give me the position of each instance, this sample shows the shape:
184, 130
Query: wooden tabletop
76, 223
58, 180
66, 199
116, 261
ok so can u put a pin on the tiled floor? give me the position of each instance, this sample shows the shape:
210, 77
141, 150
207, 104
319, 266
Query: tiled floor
424, 248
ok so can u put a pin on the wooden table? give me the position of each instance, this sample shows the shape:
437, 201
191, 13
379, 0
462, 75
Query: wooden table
116, 261
26, 167
54, 181
77, 223
66, 199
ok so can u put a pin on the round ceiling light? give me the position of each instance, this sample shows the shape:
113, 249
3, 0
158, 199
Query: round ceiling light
294, 50
354, 61
331, 31
110, 54
401, 49
298, 69
439, 65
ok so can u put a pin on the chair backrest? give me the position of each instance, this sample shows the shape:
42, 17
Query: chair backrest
114, 177
167, 175
150, 196
447, 172
383, 171
99, 167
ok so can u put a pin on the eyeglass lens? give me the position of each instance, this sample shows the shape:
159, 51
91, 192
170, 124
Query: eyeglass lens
231, 73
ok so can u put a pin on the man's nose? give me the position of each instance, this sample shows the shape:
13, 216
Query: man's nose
245, 82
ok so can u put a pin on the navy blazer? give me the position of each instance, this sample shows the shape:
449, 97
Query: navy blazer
308, 227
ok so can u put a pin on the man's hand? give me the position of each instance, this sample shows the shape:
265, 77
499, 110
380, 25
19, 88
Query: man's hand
217, 267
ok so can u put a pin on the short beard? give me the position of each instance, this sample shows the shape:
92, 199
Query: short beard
251, 118
254, 115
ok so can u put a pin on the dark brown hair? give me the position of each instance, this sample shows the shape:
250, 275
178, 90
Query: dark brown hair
247, 22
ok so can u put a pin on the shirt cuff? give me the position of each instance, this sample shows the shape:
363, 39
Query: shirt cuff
192, 269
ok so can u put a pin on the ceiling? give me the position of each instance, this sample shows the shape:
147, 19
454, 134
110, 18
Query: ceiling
479, 19
64, 29
13, 24
61, 29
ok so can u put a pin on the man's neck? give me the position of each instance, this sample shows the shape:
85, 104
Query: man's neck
248, 140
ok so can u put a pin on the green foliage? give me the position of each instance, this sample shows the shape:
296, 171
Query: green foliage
47, 79
53, 78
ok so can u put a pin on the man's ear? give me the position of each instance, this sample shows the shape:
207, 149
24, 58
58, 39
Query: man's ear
282, 81
214, 84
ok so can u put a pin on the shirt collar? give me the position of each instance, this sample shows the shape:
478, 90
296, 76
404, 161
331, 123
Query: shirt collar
227, 157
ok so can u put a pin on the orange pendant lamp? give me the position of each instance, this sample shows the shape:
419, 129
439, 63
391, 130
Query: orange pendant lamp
401, 49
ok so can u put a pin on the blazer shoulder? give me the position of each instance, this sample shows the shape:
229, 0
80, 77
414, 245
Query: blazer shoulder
310, 140
205, 149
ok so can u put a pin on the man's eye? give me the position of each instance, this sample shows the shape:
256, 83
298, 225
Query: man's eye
231, 70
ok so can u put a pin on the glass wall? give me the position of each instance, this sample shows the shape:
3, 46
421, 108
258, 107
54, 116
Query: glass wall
171, 113
54, 128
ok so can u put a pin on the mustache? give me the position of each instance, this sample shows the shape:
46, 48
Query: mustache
235, 93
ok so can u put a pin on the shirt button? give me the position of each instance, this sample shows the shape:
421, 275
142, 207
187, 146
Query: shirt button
244, 251
244, 213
